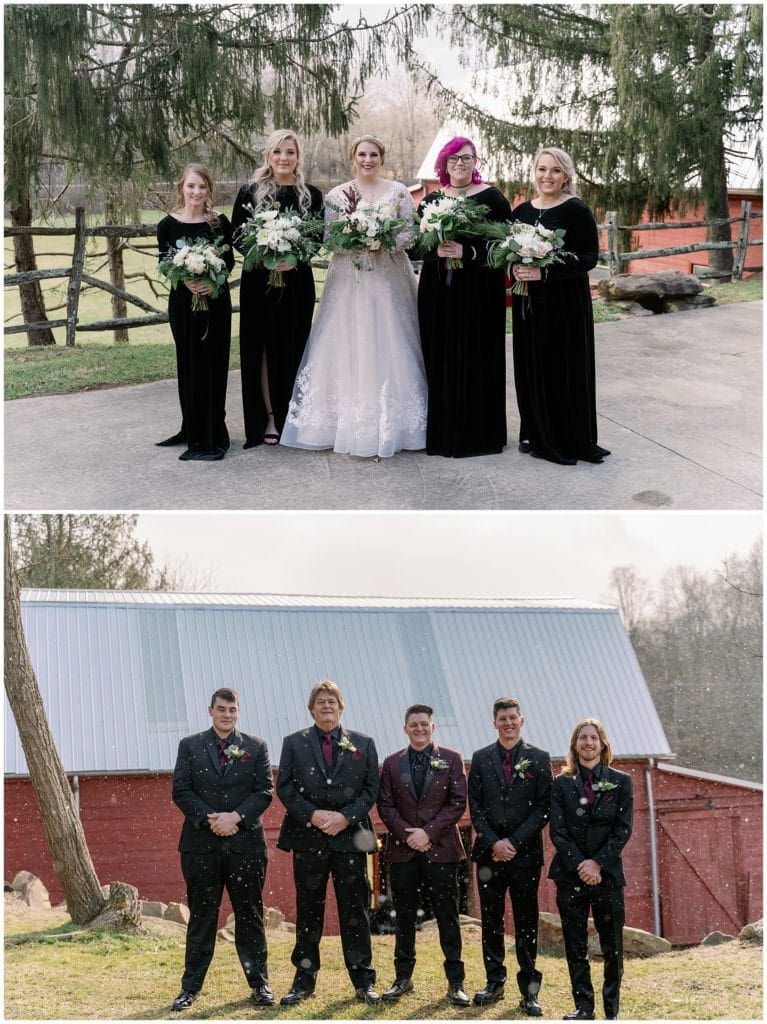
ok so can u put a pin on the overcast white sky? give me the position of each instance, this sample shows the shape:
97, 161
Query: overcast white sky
441, 554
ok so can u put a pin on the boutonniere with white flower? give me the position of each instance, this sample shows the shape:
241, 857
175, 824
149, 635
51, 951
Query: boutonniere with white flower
520, 768
235, 753
437, 764
603, 786
346, 744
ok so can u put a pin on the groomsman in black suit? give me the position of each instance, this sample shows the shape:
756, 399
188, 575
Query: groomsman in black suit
328, 782
591, 822
509, 794
222, 783
422, 797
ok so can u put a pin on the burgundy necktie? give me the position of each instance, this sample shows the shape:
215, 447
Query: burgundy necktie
587, 785
222, 759
507, 767
327, 749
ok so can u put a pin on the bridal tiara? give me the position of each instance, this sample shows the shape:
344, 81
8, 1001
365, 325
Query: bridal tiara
366, 138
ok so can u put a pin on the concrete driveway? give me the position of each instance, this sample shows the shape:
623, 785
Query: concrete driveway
679, 402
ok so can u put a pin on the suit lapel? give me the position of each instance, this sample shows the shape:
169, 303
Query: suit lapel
211, 745
578, 781
495, 758
314, 743
404, 767
430, 772
341, 752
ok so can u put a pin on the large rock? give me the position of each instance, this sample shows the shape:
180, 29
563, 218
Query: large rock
273, 917
716, 939
153, 908
178, 912
664, 292
36, 895
21, 879
635, 943
753, 932
550, 933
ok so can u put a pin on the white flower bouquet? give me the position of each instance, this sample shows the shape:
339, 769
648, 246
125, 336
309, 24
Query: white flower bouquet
272, 237
362, 228
196, 260
448, 218
518, 242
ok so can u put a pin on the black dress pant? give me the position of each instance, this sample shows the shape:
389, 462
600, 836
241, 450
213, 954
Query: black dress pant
311, 870
606, 904
441, 883
494, 880
205, 875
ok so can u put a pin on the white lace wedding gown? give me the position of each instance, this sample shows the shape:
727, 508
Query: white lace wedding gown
361, 387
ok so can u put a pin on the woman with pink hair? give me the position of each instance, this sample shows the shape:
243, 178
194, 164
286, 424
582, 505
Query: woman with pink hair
462, 317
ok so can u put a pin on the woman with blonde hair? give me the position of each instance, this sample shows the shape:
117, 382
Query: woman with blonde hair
591, 822
202, 338
361, 387
274, 322
554, 367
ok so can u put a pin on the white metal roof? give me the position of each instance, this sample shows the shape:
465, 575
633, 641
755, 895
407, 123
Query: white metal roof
125, 675
695, 773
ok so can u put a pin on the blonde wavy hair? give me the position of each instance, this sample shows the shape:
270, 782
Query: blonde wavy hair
605, 754
565, 161
202, 171
263, 176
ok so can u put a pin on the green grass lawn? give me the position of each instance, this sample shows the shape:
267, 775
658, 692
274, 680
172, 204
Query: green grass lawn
106, 976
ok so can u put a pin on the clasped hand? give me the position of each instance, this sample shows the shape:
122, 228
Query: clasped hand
198, 287
329, 822
524, 272
504, 849
418, 840
224, 823
590, 872
452, 250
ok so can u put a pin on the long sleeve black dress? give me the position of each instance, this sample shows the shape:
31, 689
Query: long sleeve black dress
202, 349
462, 317
554, 371
272, 320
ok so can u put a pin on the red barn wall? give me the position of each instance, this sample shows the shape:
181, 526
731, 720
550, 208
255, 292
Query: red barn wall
132, 829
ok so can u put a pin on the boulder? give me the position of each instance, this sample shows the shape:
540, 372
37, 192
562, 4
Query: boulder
22, 879
752, 932
635, 943
661, 293
273, 917
36, 895
716, 939
225, 934
178, 912
153, 908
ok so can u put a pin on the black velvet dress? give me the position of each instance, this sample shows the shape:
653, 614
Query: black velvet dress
462, 317
202, 348
554, 372
272, 320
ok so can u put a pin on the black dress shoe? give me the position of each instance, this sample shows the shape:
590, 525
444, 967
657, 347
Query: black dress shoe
524, 447
457, 996
296, 995
548, 458
184, 1000
579, 1015
493, 992
591, 458
399, 988
531, 1006
179, 438
603, 452
262, 995
367, 994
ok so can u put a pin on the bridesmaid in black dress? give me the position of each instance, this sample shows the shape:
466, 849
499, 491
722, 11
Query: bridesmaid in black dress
554, 371
274, 322
202, 338
462, 317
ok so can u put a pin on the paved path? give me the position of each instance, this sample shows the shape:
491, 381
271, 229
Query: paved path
679, 401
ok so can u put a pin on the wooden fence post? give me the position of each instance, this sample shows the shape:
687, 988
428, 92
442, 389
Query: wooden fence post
613, 243
740, 257
78, 261
116, 275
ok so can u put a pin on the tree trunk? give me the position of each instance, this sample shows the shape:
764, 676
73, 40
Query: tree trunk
31, 295
714, 178
62, 827
116, 275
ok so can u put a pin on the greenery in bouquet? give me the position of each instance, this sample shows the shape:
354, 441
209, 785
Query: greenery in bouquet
518, 242
197, 260
448, 218
362, 228
272, 237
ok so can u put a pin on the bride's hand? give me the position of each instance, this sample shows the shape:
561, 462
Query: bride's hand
282, 267
526, 273
452, 250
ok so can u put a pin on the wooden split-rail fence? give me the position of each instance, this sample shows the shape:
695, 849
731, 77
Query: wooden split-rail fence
612, 257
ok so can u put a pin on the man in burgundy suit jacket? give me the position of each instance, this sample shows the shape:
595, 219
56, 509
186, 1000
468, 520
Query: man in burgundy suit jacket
421, 798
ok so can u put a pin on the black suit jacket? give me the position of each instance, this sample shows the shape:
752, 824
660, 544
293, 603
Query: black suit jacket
201, 787
598, 833
306, 784
518, 812
441, 806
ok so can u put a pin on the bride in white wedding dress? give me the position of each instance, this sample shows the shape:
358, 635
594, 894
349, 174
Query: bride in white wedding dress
361, 387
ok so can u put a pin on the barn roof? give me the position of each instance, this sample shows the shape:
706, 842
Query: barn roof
124, 675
